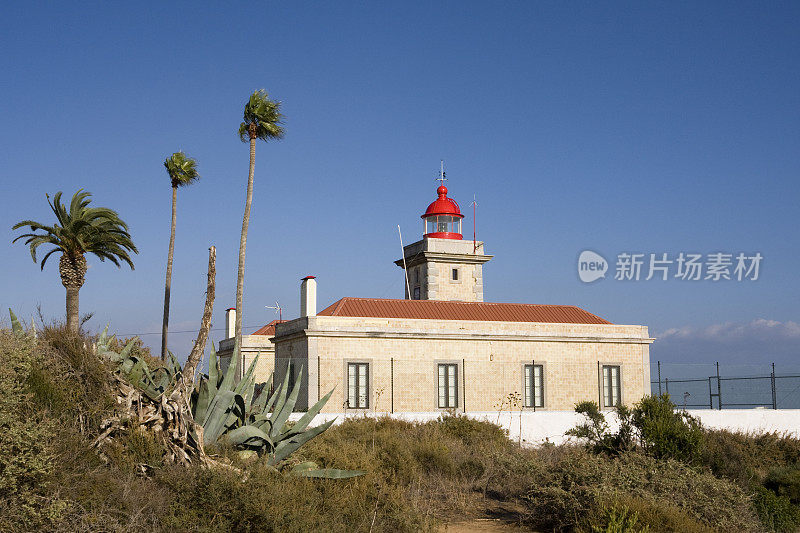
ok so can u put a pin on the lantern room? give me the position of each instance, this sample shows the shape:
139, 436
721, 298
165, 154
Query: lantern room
442, 219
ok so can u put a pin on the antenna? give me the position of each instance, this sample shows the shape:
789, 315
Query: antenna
441, 177
405, 268
278, 309
474, 205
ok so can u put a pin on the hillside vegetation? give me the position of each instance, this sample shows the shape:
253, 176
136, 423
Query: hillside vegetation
661, 473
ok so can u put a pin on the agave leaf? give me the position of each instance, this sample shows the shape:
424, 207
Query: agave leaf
102, 340
162, 379
261, 402
288, 407
286, 447
231, 371
272, 396
244, 385
216, 415
152, 393
306, 465
234, 417
306, 419
174, 366
126, 366
134, 377
213, 370
16, 327
329, 473
249, 435
126, 351
251, 386
203, 399
280, 394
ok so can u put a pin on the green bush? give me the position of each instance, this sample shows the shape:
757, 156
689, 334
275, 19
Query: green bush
619, 520
784, 481
472, 432
667, 433
596, 433
26, 461
776, 512
653, 423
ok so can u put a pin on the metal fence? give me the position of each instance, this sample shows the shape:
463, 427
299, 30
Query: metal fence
711, 386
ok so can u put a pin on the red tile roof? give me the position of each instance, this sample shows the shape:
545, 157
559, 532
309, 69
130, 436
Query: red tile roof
441, 310
269, 329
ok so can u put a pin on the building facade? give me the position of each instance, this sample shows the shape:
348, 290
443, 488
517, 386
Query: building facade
444, 348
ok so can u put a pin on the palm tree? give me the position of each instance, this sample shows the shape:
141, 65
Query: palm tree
81, 230
262, 120
182, 171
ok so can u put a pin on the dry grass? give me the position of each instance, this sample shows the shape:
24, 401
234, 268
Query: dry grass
54, 394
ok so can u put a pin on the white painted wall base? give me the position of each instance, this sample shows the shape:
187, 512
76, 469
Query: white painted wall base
549, 426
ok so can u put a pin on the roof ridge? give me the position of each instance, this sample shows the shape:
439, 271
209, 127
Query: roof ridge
431, 302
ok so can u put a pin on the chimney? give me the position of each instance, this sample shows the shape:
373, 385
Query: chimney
230, 323
308, 296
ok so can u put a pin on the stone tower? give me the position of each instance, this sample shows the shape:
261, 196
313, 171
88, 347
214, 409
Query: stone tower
443, 266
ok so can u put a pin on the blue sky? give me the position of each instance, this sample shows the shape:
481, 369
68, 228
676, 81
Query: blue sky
645, 127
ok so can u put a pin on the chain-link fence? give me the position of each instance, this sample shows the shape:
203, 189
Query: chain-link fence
715, 386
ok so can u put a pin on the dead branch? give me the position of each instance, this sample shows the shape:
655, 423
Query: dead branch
202, 336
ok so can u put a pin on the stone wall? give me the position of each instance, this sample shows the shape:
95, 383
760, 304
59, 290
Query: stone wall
403, 357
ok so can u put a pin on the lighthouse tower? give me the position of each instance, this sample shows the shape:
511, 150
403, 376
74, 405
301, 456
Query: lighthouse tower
443, 266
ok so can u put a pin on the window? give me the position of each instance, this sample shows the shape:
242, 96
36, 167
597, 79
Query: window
448, 385
416, 293
455, 274
416, 275
442, 224
611, 386
358, 385
534, 386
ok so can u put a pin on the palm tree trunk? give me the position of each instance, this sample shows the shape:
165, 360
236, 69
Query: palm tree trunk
243, 243
73, 315
72, 268
168, 284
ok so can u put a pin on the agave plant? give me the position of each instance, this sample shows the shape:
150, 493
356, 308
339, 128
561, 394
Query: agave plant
17, 329
226, 410
153, 383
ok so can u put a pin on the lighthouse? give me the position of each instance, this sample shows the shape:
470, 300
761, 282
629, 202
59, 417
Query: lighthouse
442, 266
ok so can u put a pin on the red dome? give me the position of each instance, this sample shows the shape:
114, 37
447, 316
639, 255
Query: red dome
443, 205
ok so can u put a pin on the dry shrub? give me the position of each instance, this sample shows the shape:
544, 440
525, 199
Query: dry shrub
447, 467
747, 458
577, 482
641, 515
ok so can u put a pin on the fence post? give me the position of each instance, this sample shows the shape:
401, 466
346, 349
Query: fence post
659, 378
391, 383
772, 380
710, 394
719, 390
